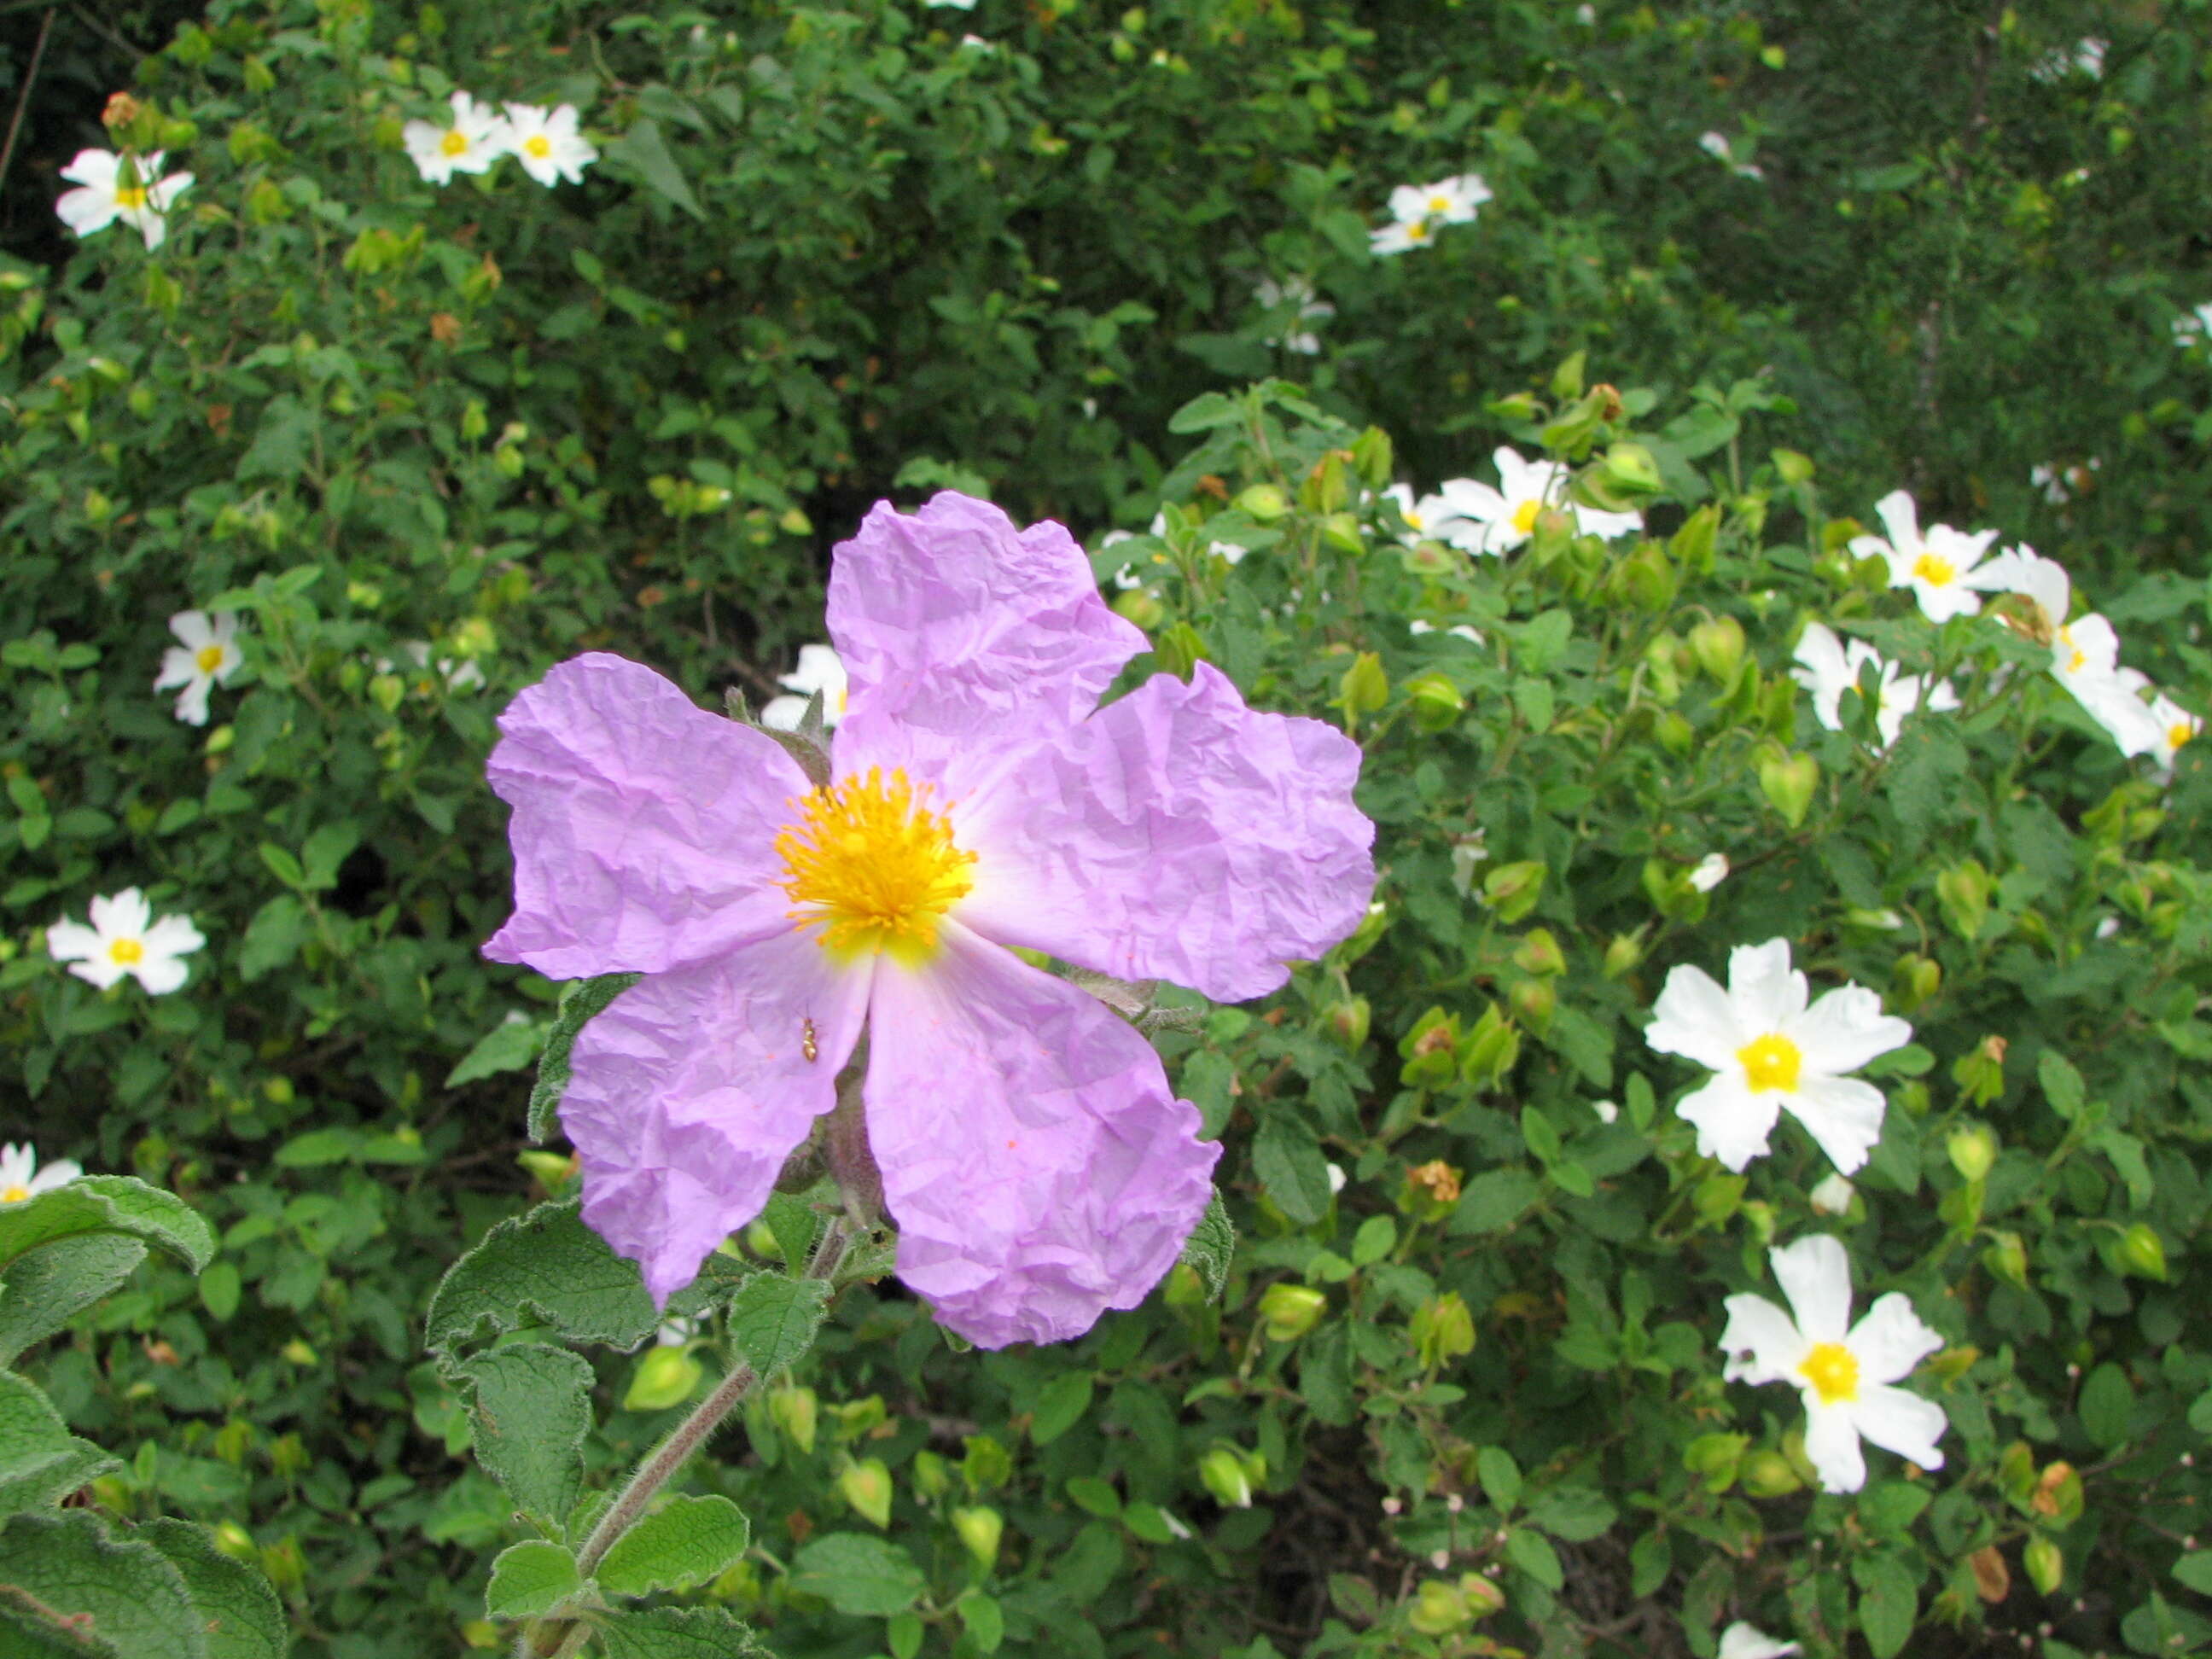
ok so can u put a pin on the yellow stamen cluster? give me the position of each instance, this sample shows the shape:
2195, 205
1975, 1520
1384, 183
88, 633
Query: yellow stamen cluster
131, 196
539, 146
2178, 733
209, 659
1770, 1062
1936, 572
872, 866
15, 1194
455, 142
127, 951
1524, 516
1833, 1372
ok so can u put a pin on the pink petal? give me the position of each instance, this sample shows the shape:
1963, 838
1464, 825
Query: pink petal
687, 1094
1039, 1168
964, 631
644, 828
1177, 834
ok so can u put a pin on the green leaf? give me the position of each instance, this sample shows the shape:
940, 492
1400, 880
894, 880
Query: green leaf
41, 1462
1377, 1237
505, 1048
1212, 1246
1060, 1407
581, 1000
220, 1288
544, 1268
1576, 1513
2195, 1570
1493, 1201
237, 1608
674, 1633
273, 937
282, 864
533, 1410
531, 1578
797, 1225
1288, 1161
1532, 1552
125, 1593
1094, 1495
108, 1204
2061, 1083
1500, 1476
773, 1320
317, 1148
865, 1576
325, 850
687, 1542
2107, 1405
980, 1618
40, 1290
643, 149
1888, 1605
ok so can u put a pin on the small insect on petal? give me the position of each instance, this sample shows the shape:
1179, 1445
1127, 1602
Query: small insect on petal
807, 1043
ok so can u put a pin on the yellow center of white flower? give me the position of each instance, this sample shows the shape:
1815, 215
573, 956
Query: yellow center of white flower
126, 952
130, 197
1934, 570
2075, 656
1413, 519
1524, 516
15, 1193
455, 142
537, 146
1417, 233
872, 866
1770, 1062
209, 657
1439, 204
2178, 733
1833, 1372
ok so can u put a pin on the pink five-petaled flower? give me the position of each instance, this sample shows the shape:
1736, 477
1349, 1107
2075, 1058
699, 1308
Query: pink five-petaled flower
1038, 1166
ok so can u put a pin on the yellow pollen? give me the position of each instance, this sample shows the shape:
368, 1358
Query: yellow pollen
538, 145
454, 143
1439, 204
209, 657
1833, 1372
1770, 1062
132, 197
1412, 520
1419, 233
1524, 516
871, 865
15, 1194
1935, 571
2178, 733
126, 951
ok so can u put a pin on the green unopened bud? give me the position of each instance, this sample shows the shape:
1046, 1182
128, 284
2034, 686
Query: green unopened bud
1662, 679
1442, 1329
1483, 1595
2058, 1494
1676, 735
1435, 702
1439, 1607
986, 1464
475, 421
234, 1541
286, 1566
1788, 781
2141, 1252
1141, 607
1179, 649
1490, 1050
1539, 953
1365, 688
664, 1377
1184, 1288
865, 1483
1534, 1001
508, 459
298, 1352
1792, 468
1341, 531
289, 1457
1363, 936
795, 1411
473, 636
553, 1171
1430, 1051
1324, 489
1630, 470
1768, 1474
1692, 545
980, 1529
1644, 579
1372, 458
1511, 890
930, 1474
2007, 1259
1288, 1311
2045, 1563
1229, 1475
265, 204
1963, 892
1264, 502
1714, 1459
1717, 643
1972, 1150
1624, 952
1717, 1197
1913, 979
1347, 1023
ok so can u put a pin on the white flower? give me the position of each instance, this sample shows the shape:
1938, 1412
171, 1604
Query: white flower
956, 5
1397, 237
2173, 726
2085, 653
1435, 518
1507, 513
1447, 202
2085, 56
1717, 145
1770, 1051
476, 138
1712, 870
21, 1178
1938, 564
1742, 1641
207, 658
1298, 293
124, 938
1831, 1196
1457, 630
1336, 1178
819, 669
2107, 927
676, 1331
1844, 1371
976, 42
459, 673
2061, 484
2193, 325
106, 196
1827, 667
1608, 1111
547, 143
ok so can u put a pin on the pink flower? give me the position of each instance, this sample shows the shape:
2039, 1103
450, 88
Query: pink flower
1038, 1165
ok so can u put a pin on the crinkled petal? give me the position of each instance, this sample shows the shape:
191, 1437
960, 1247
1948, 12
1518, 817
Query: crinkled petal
1846, 1028
689, 1091
1890, 1341
1762, 1342
959, 632
644, 828
1733, 1122
1038, 1166
68, 941
1842, 1113
192, 630
1832, 1445
125, 914
1178, 834
1744, 1641
1901, 1422
1694, 1018
1815, 1275
1766, 991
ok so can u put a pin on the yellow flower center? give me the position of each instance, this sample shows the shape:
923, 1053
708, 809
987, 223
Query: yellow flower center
1936, 571
1770, 1062
1833, 1372
127, 952
1524, 516
1439, 204
209, 657
872, 866
1419, 233
130, 197
2178, 733
454, 143
1413, 519
2075, 656
538, 145
14, 1194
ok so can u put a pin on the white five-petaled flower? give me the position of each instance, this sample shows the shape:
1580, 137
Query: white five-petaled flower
1938, 564
475, 138
1300, 293
1435, 518
1771, 1052
819, 669
1717, 145
1466, 631
138, 195
124, 938
548, 144
1827, 667
1416, 211
1743, 1641
207, 657
2085, 651
1507, 515
1845, 1372
1712, 870
21, 1179
2172, 726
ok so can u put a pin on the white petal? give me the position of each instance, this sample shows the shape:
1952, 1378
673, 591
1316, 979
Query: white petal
95, 168
59, 1173
69, 941
102, 970
1832, 1443
179, 667
192, 701
159, 975
1832, 1197
173, 936
1844, 1029
1762, 1342
1898, 517
16, 1165
1767, 993
87, 211
125, 916
783, 714
1733, 1123
1815, 1275
1843, 1115
1742, 1641
1694, 1018
1890, 1341
1901, 1422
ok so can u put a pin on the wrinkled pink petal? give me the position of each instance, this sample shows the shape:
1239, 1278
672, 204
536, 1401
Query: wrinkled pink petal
644, 828
1038, 1166
689, 1091
1177, 834
960, 632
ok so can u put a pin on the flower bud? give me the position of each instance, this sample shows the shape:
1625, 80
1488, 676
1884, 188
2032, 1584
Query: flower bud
1623, 953
1963, 892
1676, 735
1539, 953
1140, 606
1692, 545
1347, 1021
1972, 1150
980, 1529
1490, 1050
1323, 490
2057, 1496
298, 1352
1717, 1197
2045, 1563
286, 1567
1630, 470
1511, 890
1184, 1288
986, 1464
1714, 1459
1442, 1329
664, 1377
1365, 688
1439, 1607
1644, 579
930, 1474
234, 1541
1289, 1312
1788, 781
2007, 1259
1718, 644
1228, 1473
795, 1411
1264, 502
1534, 1001
1768, 1474
1430, 1051
1436, 702
1483, 1595
1372, 458
2142, 1253
865, 1483
1661, 677
1341, 531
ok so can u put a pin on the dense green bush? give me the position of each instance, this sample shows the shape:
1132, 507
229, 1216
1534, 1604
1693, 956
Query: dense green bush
423, 441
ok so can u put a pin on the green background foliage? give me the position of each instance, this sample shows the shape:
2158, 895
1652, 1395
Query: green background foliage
832, 254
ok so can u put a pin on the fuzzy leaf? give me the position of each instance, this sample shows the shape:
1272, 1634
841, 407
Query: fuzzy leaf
533, 1408
867, 1577
238, 1611
643, 149
1212, 1245
41, 1462
581, 1000
773, 1320
687, 1542
126, 1592
506, 1047
530, 1579
108, 1204
1290, 1165
40, 1290
545, 1267
674, 1633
